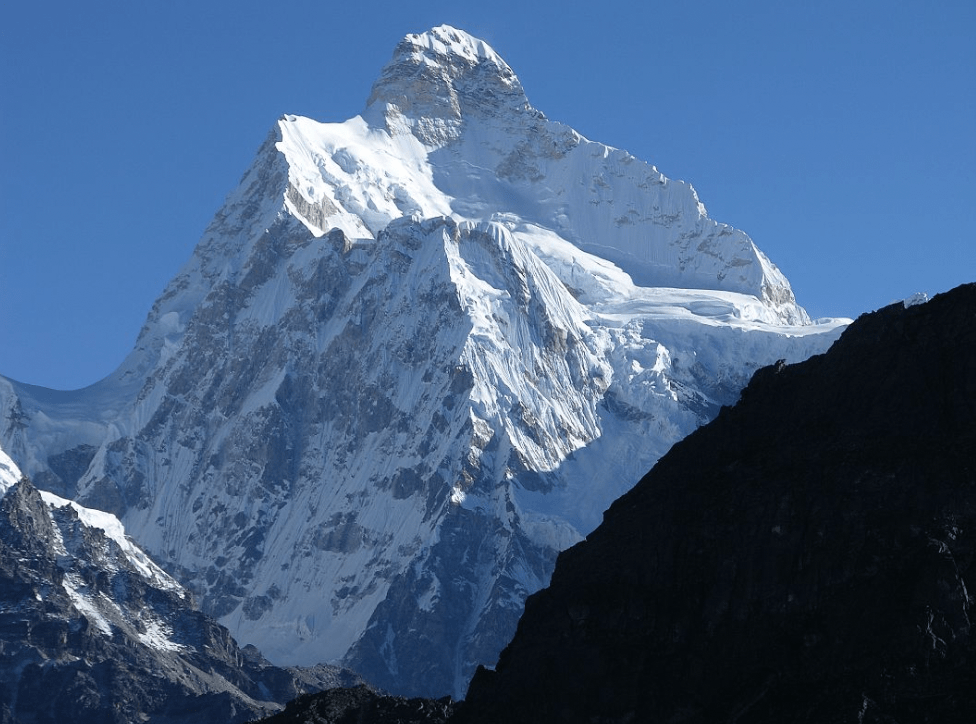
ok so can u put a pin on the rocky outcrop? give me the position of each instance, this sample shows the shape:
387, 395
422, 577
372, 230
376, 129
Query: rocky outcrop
92, 631
809, 556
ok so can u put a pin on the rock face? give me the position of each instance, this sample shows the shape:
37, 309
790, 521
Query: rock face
809, 556
370, 410
92, 631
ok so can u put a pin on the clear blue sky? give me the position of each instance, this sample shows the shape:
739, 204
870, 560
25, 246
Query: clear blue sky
839, 134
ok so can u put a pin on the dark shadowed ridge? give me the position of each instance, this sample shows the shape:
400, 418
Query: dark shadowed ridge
363, 705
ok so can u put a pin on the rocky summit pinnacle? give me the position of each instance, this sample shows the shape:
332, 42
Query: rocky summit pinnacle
370, 410
442, 77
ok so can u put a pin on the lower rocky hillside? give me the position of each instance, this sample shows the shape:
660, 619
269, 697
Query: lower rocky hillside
92, 631
363, 705
809, 556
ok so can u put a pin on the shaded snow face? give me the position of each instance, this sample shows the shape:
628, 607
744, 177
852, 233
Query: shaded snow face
414, 356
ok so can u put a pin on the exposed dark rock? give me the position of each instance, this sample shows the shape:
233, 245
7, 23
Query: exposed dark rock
86, 636
806, 557
362, 705
66, 468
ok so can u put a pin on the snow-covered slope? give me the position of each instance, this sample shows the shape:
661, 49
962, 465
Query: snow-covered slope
414, 356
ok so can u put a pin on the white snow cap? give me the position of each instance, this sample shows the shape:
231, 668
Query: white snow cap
446, 40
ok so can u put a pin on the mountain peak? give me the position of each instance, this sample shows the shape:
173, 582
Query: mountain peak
445, 40
439, 78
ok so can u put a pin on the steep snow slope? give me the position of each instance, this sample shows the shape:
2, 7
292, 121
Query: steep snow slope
414, 356
10, 474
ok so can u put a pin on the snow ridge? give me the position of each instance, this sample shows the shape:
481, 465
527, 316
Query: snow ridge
121, 551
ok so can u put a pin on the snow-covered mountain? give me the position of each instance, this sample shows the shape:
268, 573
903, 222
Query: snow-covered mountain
413, 356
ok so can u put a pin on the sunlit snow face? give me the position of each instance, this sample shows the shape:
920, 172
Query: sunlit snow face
9, 473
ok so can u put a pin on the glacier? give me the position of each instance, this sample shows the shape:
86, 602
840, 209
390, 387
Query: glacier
413, 357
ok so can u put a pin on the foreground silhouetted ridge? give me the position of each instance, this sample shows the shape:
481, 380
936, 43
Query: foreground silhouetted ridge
806, 557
